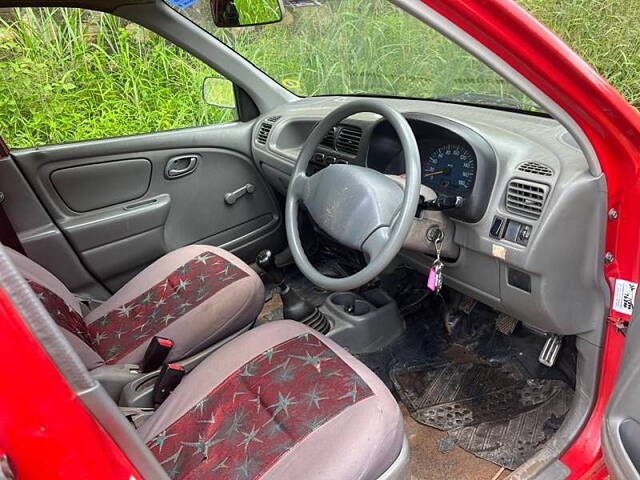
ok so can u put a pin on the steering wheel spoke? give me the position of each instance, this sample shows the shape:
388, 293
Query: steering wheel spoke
299, 186
375, 243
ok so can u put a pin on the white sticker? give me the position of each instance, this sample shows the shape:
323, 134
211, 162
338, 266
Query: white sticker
624, 296
499, 251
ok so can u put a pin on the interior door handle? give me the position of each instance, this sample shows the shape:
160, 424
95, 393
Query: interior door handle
180, 166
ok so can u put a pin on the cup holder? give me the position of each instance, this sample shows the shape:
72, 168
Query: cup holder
351, 304
343, 299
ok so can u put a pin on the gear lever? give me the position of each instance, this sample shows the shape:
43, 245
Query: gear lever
293, 306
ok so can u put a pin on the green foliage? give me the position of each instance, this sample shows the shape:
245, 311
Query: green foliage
358, 47
604, 32
257, 11
69, 75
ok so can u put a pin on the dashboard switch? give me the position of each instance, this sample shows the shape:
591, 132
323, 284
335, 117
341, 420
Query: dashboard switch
524, 234
512, 231
497, 227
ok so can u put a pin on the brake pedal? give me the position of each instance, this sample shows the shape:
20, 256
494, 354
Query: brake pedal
550, 350
506, 324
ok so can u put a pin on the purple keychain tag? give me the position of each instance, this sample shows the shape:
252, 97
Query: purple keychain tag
432, 281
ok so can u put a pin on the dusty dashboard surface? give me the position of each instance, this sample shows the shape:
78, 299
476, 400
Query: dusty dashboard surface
528, 235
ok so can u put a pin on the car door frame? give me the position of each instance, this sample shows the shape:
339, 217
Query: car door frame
255, 93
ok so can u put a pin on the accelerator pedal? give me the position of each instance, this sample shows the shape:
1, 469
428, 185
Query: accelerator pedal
550, 350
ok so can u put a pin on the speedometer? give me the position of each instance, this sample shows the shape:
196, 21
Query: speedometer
450, 168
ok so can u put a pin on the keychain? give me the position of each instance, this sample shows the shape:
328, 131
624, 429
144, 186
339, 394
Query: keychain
434, 281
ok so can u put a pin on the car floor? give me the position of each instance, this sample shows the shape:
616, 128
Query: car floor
427, 461
438, 335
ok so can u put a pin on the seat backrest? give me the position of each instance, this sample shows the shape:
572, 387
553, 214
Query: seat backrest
61, 304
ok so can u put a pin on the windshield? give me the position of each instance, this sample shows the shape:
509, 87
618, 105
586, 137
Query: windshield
363, 47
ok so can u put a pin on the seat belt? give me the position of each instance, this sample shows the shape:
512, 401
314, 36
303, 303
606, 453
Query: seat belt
8, 235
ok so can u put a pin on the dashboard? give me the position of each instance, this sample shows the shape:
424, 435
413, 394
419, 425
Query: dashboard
527, 238
455, 160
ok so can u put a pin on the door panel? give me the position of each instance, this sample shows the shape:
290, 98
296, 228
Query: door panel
124, 202
89, 187
621, 425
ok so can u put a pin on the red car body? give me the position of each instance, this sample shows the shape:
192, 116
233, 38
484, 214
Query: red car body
46, 431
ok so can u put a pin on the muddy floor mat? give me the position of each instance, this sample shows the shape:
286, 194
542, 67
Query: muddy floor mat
496, 413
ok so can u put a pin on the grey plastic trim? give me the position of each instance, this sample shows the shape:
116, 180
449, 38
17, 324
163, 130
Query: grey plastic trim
620, 428
90, 231
399, 469
71, 367
375, 323
89, 187
475, 48
165, 21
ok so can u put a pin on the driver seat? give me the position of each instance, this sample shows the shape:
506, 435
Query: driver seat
195, 296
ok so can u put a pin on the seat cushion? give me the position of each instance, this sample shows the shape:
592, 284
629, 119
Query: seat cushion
279, 402
196, 296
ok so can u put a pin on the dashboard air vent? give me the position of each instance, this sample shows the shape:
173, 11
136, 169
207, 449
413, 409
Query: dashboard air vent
348, 140
329, 139
273, 119
535, 168
263, 133
526, 198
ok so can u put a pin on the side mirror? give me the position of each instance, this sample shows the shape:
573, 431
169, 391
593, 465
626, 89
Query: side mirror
245, 13
218, 91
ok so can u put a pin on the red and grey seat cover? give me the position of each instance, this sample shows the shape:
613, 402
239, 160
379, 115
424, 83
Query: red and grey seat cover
279, 402
195, 295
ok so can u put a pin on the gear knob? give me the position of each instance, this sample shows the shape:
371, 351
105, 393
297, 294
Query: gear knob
266, 260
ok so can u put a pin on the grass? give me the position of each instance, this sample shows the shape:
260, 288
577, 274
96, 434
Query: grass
67, 75
606, 33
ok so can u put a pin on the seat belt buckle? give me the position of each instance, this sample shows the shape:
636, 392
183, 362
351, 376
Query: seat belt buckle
169, 378
157, 352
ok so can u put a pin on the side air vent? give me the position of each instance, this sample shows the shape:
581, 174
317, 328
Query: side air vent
526, 198
329, 139
348, 140
263, 133
535, 168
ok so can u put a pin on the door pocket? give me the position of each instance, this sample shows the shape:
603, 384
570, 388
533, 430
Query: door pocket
89, 187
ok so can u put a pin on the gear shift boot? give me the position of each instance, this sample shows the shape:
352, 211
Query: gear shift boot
293, 306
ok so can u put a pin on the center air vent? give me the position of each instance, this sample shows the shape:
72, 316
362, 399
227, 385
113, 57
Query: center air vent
535, 168
329, 139
348, 140
526, 198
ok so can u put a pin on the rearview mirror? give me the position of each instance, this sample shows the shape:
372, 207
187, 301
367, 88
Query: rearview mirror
218, 91
245, 13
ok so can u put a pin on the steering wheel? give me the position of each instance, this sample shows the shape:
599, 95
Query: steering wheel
358, 207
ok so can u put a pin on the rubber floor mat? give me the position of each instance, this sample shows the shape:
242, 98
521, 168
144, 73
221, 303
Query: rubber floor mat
493, 412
